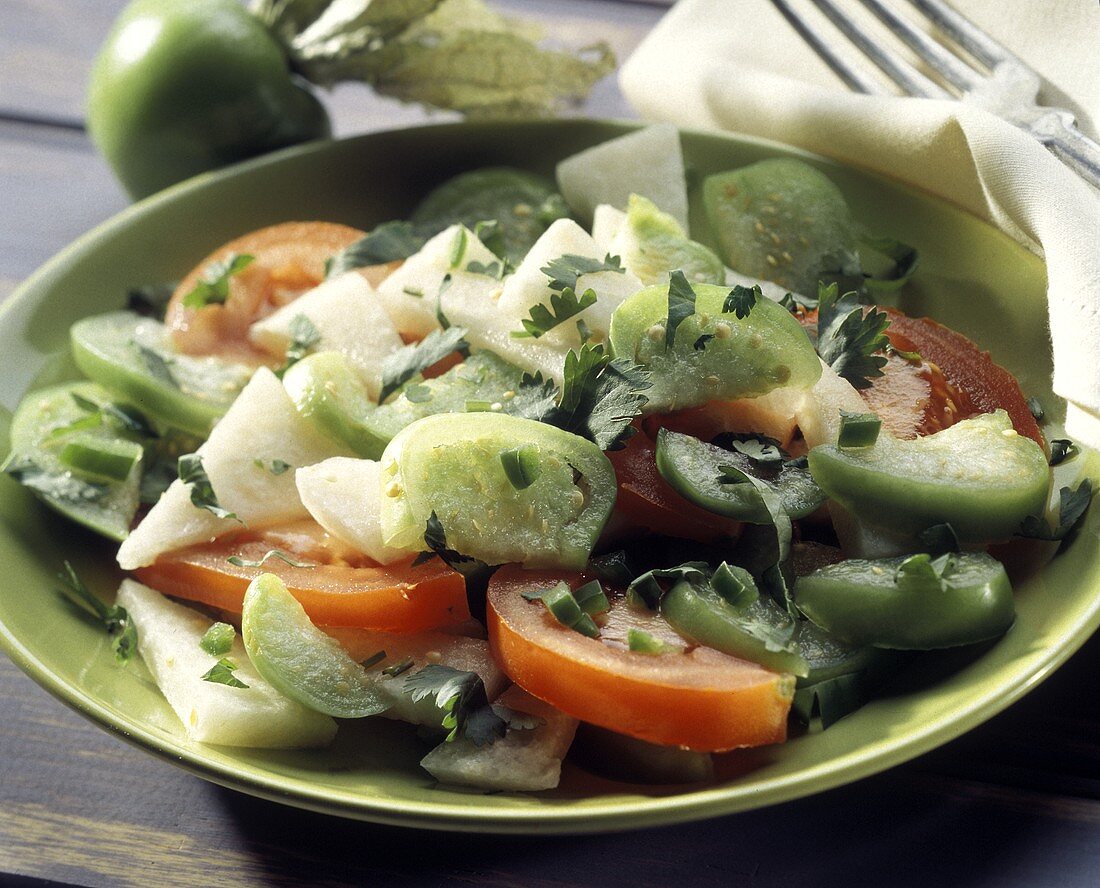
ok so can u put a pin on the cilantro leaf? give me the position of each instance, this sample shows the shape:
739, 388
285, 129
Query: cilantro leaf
681, 305
222, 673
150, 300
435, 538
115, 619
742, 299
566, 269
802, 304
461, 696
600, 396
850, 339
212, 286
1062, 449
387, 242
1072, 505
157, 365
536, 398
192, 473
275, 466
401, 366
563, 306
304, 335
269, 554
647, 589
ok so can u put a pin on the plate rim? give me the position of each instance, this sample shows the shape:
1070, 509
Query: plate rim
592, 816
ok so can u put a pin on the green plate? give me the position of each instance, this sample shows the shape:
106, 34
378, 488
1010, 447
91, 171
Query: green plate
972, 277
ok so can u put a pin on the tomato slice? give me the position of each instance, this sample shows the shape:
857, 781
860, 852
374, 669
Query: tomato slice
700, 699
288, 259
646, 500
345, 588
977, 383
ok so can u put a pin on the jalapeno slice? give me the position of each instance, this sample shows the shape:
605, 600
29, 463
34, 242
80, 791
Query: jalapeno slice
911, 603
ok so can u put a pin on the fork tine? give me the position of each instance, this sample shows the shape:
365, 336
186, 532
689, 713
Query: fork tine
855, 78
935, 54
965, 33
892, 65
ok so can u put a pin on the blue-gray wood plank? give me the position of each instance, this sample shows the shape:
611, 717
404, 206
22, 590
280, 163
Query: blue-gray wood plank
1016, 802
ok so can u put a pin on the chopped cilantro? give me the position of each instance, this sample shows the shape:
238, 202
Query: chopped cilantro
387, 242
222, 673
275, 466
267, 556
212, 286
119, 626
701, 342
304, 335
564, 271
402, 365
192, 473
1073, 503
600, 396
563, 306
681, 305
741, 300
157, 365
435, 538
850, 336
1062, 449
461, 696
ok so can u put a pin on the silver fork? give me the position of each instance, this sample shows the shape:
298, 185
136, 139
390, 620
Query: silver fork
1007, 87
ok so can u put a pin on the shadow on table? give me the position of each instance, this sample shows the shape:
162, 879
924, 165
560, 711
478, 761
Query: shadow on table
908, 827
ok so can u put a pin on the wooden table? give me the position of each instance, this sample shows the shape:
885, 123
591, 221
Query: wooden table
1015, 802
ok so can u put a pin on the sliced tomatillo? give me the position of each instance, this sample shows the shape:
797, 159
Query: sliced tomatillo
300, 660
451, 465
701, 349
979, 475
912, 603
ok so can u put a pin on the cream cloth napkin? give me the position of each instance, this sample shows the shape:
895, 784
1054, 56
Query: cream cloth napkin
738, 65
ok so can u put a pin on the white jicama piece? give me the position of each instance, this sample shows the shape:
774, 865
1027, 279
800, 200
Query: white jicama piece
530, 286
649, 162
259, 429
349, 318
344, 496
521, 761
256, 716
606, 222
409, 295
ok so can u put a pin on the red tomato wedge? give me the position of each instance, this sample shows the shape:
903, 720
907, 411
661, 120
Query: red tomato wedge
700, 699
341, 590
646, 500
970, 373
288, 259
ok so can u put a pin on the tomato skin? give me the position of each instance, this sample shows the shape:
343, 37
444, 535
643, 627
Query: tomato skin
647, 500
700, 699
986, 386
288, 259
357, 593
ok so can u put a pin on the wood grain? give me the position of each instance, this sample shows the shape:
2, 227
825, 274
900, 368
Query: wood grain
1015, 802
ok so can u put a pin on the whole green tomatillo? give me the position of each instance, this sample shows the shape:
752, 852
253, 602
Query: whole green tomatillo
183, 87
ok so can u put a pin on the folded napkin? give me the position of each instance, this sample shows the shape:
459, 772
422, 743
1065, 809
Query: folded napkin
739, 65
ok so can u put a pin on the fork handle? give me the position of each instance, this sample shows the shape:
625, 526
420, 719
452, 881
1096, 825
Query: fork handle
1077, 151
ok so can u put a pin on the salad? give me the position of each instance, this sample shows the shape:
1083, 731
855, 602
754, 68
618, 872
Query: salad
536, 471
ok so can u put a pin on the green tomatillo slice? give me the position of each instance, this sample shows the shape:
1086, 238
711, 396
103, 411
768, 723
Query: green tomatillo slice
979, 475
299, 659
705, 353
451, 465
911, 603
